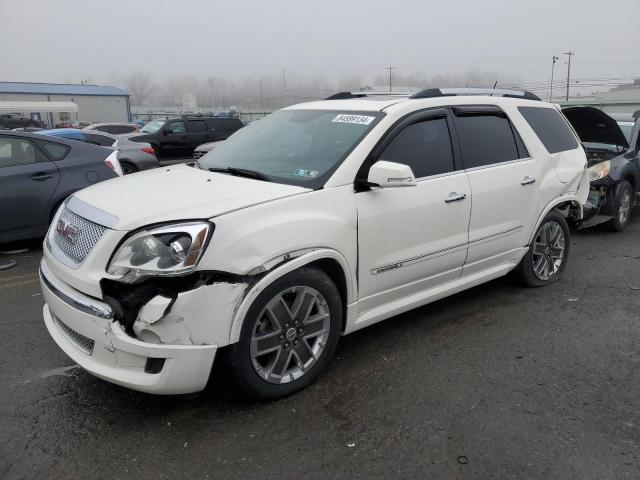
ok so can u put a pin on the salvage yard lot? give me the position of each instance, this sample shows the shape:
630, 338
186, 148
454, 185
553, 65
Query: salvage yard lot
495, 382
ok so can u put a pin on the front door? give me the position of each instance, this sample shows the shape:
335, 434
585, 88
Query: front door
175, 141
413, 238
27, 183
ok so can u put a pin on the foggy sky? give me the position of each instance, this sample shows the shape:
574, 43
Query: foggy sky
44, 40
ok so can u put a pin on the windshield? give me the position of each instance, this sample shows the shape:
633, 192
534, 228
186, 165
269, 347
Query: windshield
296, 147
627, 129
153, 127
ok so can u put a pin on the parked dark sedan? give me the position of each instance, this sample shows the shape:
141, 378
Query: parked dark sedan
613, 156
37, 173
133, 156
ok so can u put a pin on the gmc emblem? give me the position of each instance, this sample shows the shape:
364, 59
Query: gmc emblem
68, 231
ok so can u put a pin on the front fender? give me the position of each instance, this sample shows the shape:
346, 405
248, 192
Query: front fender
283, 269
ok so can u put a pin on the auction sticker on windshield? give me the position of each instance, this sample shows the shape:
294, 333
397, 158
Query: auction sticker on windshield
358, 119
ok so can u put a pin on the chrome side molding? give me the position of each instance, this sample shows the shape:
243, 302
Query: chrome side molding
73, 298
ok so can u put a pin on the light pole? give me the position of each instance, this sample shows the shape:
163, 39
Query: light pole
570, 54
390, 70
553, 64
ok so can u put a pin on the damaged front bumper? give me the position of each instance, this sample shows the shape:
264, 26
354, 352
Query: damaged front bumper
181, 337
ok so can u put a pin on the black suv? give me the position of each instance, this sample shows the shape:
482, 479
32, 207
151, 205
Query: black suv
178, 137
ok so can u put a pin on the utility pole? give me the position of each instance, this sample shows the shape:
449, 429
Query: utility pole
570, 54
390, 70
211, 90
553, 64
261, 103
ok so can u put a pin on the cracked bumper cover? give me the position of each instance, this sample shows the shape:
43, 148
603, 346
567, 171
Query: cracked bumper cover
117, 357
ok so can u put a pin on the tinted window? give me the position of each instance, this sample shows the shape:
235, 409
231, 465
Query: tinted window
118, 129
550, 127
197, 126
485, 140
176, 127
16, 151
97, 139
56, 151
424, 146
226, 124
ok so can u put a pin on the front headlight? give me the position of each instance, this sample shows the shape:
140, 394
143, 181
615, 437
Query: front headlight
161, 251
599, 170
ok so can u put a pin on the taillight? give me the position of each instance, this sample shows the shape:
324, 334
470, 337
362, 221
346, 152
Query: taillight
112, 162
149, 150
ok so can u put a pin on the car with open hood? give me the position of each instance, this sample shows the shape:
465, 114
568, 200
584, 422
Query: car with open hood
316, 221
614, 165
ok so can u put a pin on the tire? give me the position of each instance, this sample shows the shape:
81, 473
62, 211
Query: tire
278, 372
128, 167
548, 252
622, 205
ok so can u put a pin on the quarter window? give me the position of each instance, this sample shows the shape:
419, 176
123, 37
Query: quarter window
14, 151
486, 139
424, 146
550, 127
56, 151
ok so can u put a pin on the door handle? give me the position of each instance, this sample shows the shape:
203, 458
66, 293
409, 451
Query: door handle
527, 180
40, 177
455, 197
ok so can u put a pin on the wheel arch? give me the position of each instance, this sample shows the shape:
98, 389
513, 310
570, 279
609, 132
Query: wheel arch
569, 205
330, 261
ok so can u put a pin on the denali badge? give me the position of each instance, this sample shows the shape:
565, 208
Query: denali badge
68, 231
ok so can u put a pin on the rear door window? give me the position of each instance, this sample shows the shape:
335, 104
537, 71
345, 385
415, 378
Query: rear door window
16, 151
552, 130
196, 126
487, 138
424, 146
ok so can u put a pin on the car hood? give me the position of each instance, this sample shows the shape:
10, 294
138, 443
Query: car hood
176, 193
595, 126
207, 147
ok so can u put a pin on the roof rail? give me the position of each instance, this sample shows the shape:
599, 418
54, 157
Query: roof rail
363, 94
453, 92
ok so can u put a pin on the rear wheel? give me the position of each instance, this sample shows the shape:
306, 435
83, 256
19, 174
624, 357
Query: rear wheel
548, 252
128, 167
623, 203
289, 335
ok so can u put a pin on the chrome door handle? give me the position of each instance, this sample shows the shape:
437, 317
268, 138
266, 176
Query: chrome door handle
527, 180
455, 197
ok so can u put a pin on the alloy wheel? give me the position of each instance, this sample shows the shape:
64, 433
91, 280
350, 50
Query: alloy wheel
290, 334
548, 250
625, 206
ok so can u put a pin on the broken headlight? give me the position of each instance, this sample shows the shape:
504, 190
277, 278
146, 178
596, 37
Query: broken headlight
161, 251
599, 170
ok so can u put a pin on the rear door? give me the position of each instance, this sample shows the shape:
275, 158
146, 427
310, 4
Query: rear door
28, 180
503, 185
197, 133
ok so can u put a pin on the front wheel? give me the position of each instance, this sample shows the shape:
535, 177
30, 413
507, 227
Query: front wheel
289, 335
548, 252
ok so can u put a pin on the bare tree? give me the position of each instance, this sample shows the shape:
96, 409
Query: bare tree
140, 87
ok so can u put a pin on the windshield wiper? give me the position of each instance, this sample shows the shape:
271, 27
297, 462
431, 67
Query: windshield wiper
240, 172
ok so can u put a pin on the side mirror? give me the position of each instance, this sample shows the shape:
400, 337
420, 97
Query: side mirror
390, 175
166, 131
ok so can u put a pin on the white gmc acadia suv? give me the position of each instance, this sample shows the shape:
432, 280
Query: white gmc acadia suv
316, 221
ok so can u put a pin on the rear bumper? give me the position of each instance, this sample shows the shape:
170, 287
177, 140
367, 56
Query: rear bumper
84, 328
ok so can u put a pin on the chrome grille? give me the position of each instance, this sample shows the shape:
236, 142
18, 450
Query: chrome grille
83, 343
87, 235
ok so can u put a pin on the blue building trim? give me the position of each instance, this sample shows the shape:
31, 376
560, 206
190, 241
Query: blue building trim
61, 89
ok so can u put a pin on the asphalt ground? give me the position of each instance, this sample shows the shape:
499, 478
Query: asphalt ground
496, 382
